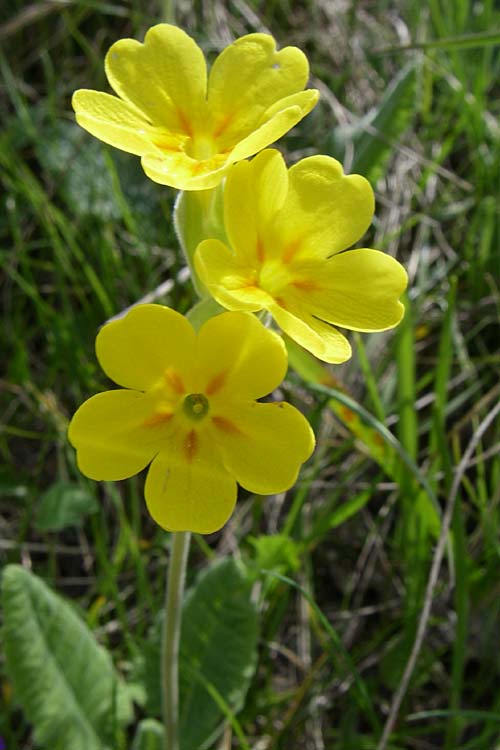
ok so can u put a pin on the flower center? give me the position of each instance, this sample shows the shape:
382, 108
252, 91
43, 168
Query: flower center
274, 276
202, 147
195, 406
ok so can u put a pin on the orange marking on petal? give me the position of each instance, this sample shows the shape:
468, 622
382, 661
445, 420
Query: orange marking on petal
174, 380
306, 285
249, 285
191, 445
185, 123
281, 302
198, 167
157, 419
167, 145
226, 425
204, 165
216, 383
259, 250
223, 125
290, 251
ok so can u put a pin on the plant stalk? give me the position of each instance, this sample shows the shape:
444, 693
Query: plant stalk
171, 633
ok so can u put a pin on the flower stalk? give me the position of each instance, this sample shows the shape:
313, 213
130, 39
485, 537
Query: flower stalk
171, 633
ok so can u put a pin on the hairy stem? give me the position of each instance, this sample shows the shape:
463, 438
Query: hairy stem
171, 637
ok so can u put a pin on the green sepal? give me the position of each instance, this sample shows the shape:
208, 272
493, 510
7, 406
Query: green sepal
198, 216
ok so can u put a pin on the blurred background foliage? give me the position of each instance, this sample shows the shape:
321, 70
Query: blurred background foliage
325, 588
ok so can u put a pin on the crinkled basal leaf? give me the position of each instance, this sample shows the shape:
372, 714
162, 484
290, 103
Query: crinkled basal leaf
80, 169
218, 647
64, 681
64, 504
219, 642
93, 185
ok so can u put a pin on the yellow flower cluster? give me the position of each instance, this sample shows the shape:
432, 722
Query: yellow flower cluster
188, 406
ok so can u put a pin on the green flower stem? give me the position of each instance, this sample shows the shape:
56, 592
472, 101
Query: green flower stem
171, 637
168, 8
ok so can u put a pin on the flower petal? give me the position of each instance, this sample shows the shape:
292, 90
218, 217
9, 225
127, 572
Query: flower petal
190, 494
321, 339
110, 436
267, 446
247, 78
179, 170
229, 281
135, 351
114, 121
273, 128
239, 357
165, 77
359, 290
325, 211
253, 194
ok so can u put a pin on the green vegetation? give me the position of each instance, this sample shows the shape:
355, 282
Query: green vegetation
330, 634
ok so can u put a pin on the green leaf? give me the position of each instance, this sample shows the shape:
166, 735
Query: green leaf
277, 552
331, 519
64, 681
150, 735
97, 183
78, 165
374, 135
217, 653
380, 442
463, 41
64, 504
219, 642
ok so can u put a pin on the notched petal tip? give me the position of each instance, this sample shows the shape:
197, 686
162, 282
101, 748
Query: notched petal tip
181, 496
135, 350
253, 358
274, 440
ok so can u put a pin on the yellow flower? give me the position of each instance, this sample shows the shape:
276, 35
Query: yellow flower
188, 130
287, 231
189, 410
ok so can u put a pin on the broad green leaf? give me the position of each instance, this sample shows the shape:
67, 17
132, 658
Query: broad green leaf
64, 681
374, 135
78, 165
217, 653
95, 182
64, 504
150, 735
219, 641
